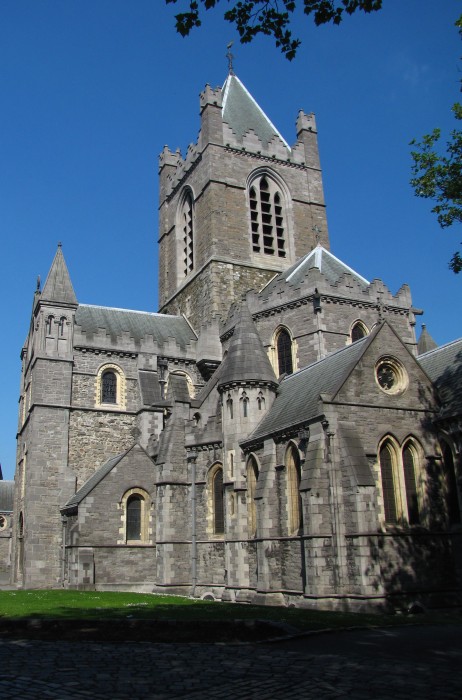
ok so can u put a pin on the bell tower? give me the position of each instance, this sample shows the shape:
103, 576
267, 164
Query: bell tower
241, 206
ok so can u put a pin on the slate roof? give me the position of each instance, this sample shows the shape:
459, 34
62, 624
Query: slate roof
297, 400
138, 324
6, 496
246, 358
150, 389
242, 113
444, 367
331, 267
58, 286
93, 481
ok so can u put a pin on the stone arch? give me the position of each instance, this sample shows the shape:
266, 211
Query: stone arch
110, 389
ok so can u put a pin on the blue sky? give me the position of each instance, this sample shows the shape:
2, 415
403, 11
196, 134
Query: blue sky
91, 90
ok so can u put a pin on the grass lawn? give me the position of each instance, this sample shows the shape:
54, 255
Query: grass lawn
62, 604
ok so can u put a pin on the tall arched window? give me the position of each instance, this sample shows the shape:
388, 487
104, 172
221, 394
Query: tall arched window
187, 232
387, 472
109, 387
410, 482
134, 525
450, 485
284, 352
218, 504
267, 217
294, 501
252, 478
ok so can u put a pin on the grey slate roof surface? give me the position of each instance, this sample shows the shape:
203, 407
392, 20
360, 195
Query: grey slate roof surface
150, 389
58, 286
331, 267
444, 367
297, 400
6, 496
246, 358
94, 480
138, 324
242, 113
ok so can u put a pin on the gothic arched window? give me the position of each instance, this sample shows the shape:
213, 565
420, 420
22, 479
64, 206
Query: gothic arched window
387, 472
294, 501
109, 387
450, 485
284, 352
218, 504
410, 483
358, 331
267, 217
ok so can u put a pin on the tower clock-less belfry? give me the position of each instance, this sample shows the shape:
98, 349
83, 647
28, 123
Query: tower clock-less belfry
274, 434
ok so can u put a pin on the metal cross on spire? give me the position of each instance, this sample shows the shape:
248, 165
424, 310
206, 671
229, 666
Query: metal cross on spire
230, 57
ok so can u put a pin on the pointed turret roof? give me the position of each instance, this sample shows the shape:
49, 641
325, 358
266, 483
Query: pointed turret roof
242, 112
426, 342
58, 286
246, 359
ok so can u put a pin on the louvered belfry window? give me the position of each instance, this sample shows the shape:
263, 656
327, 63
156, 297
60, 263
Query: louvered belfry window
267, 218
109, 387
188, 234
388, 484
218, 510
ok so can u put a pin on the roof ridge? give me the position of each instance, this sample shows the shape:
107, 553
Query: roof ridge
328, 356
439, 347
131, 311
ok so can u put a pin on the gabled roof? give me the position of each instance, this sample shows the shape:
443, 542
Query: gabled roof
297, 401
246, 359
242, 112
94, 480
138, 324
331, 267
58, 286
444, 367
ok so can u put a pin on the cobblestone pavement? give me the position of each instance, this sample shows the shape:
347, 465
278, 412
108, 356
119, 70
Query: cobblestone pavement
65, 670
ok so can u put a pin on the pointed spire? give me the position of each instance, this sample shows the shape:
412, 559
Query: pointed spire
426, 342
58, 286
246, 359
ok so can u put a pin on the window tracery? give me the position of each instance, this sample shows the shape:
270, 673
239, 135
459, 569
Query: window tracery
267, 217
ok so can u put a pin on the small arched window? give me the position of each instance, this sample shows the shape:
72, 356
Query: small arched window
134, 517
284, 352
218, 502
229, 404
267, 217
49, 325
245, 404
294, 501
21, 525
109, 387
358, 331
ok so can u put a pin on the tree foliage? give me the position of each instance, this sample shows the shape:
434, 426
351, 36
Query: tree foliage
437, 174
271, 17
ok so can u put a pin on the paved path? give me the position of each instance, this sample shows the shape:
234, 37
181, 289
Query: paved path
418, 663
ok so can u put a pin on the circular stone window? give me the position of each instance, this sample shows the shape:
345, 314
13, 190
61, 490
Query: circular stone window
391, 375
3, 522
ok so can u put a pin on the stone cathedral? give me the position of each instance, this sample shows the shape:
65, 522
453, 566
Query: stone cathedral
274, 434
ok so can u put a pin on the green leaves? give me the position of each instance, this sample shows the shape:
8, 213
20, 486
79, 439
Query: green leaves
437, 175
272, 17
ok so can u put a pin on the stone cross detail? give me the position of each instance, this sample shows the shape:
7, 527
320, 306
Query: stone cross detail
317, 233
